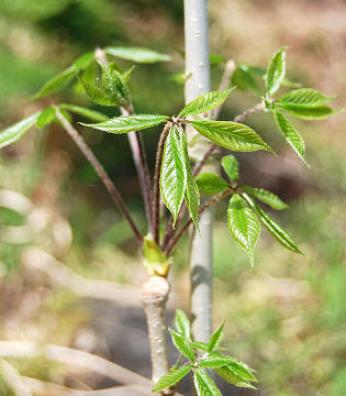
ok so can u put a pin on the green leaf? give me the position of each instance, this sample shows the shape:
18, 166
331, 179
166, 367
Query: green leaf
138, 55
183, 345
276, 72
204, 385
83, 61
205, 102
215, 339
192, 197
173, 177
62, 79
266, 197
211, 184
243, 225
172, 378
307, 112
305, 97
56, 83
114, 84
230, 375
84, 112
46, 117
291, 135
216, 59
182, 323
93, 84
238, 368
231, 167
231, 135
125, 124
15, 132
214, 362
278, 233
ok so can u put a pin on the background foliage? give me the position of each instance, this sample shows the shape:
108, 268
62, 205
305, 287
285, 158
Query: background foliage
286, 316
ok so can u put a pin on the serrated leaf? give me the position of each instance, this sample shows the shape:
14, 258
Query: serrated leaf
276, 72
205, 102
204, 385
13, 133
215, 339
214, 362
114, 84
231, 167
182, 323
307, 112
125, 124
46, 117
230, 376
305, 97
62, 79
240, 369
138, 55
278, 233
91, 79
211, 184
183, 345
172, 378
243, 225
231, 135
292, 136
266, 197
192, 197
173, 177
84, 112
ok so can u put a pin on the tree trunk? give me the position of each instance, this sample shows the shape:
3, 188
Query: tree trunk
154, 298
198, 82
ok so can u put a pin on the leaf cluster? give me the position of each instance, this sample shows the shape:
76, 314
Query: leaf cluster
201, 358
105, 84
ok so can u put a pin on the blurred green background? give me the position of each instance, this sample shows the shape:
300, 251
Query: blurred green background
286, 317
